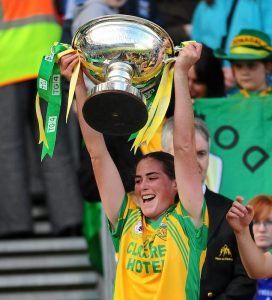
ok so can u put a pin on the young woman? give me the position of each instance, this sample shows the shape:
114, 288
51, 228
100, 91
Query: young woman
160, 238
257, 263
262, 230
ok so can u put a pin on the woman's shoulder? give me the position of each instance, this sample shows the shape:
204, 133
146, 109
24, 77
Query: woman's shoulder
132, 200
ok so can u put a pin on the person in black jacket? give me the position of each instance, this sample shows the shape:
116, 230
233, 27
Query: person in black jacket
223, 275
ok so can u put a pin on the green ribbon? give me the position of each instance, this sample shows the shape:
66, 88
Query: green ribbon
49, 89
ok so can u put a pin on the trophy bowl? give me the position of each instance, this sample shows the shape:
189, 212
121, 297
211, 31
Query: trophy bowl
125, 56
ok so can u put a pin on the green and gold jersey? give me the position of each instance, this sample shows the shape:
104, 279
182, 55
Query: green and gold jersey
158, 261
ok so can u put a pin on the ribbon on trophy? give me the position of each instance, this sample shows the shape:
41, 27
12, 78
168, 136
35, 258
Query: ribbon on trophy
49, 89
160, 104
158, 107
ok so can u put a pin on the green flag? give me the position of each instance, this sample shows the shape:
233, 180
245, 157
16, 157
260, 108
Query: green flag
241, 136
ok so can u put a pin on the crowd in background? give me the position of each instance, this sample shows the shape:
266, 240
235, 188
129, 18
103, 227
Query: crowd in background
235, 62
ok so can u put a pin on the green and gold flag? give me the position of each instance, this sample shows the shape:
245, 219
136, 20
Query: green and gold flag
241, 137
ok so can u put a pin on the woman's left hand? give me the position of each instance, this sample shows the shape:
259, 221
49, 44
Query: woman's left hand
188, 56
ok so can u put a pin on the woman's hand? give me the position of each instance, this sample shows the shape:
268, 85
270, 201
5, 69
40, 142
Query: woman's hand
67, 64
240, 216
187, 57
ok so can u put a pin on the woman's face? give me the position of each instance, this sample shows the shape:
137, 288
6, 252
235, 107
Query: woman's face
197, 89
250, 75
262, 230
155, 191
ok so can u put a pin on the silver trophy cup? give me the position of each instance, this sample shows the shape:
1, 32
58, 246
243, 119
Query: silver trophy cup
125, 56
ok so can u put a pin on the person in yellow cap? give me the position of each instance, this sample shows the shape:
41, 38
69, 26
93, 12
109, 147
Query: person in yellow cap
250, 53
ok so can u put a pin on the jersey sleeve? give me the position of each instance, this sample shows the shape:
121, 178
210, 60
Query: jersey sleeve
127, 206
197, 236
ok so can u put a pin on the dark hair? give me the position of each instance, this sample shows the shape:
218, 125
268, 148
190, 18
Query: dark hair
209, 2
209, 72
166, 159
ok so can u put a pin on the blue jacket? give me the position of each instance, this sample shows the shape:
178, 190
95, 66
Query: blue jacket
209, 21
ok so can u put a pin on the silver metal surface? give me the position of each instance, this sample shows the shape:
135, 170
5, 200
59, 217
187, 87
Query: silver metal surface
139, 43
119, 71
111, 86
125, 56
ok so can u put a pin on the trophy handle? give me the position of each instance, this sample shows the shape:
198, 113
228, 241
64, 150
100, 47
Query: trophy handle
176, 50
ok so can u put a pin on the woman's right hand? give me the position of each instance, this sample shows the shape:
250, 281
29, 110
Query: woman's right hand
67, 64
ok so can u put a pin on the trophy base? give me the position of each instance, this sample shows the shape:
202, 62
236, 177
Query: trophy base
114, 111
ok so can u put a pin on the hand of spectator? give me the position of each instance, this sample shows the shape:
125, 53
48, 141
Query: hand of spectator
188, 56
240, 216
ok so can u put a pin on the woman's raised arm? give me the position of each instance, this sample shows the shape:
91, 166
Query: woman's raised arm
187, 171
110, 186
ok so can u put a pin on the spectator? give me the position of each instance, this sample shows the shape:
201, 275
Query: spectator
91, 9
218, 279
206, 79
209, 163
175, 17
216, 22
31, 28
146, 9
257, 263
262, 230
249, 52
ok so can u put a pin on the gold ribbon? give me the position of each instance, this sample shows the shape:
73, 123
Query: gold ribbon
73, 80
89, 66
72, 88
59, 55
244, 93
158, 108
42, 137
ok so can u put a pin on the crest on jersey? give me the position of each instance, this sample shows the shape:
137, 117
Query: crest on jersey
138, 228
162, 231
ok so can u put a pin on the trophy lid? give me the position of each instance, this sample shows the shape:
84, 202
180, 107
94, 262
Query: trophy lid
139, 42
